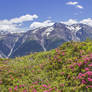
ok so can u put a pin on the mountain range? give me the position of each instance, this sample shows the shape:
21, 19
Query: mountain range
41, 39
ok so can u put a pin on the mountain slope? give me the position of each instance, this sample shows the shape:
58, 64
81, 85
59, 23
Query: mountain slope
7, 42
41, 39
64, 69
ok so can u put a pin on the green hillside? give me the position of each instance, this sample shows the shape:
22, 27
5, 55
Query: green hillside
68, 68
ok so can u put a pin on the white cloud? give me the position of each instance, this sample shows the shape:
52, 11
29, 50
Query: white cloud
72, 3
87, 21
76, 4
79, 6
70, 22
7, 27
84, 21
20, 19
24, 18
11, 28
14, 24
46, 23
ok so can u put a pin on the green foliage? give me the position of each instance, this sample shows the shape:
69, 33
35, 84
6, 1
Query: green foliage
64, 69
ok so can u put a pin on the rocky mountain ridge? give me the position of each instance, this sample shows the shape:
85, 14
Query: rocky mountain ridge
41, 39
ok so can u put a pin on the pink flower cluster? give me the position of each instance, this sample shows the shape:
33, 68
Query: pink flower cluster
86, 76
45, 86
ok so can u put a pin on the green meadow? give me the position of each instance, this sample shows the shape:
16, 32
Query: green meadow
67, 68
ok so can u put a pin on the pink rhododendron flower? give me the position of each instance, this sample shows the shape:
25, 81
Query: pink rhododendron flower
56, 50
59, 91
62, 73
84, 82
87, 69
85, 62
50, 89
36, 82
74, 64
87, 59
59, 60
81, 75
46, 91
83, 56
89, 73
68, 76
20, 86
0, 82
55, 88
34, 90
23, 85
31, 86
24, 90
62, 85
91, 55
90, 65
89, 86
86, 86
71, 66
32, 70
15, 88
72, 69
79, 64
10, 89
63, 53
89, 79
45, 86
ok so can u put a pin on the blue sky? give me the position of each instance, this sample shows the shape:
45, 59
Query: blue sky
57, 9
54, 10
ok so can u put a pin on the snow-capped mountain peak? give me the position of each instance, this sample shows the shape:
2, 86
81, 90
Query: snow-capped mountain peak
41, 39
74, 28
4, 32
47, 31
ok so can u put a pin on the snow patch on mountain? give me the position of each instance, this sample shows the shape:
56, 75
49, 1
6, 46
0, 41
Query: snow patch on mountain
4, 32
74, 28
48, 31
12, 48
35, 31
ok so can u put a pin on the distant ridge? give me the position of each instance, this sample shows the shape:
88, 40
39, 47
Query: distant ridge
41, 39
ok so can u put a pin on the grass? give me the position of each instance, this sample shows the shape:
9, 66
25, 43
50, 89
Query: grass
67, 68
